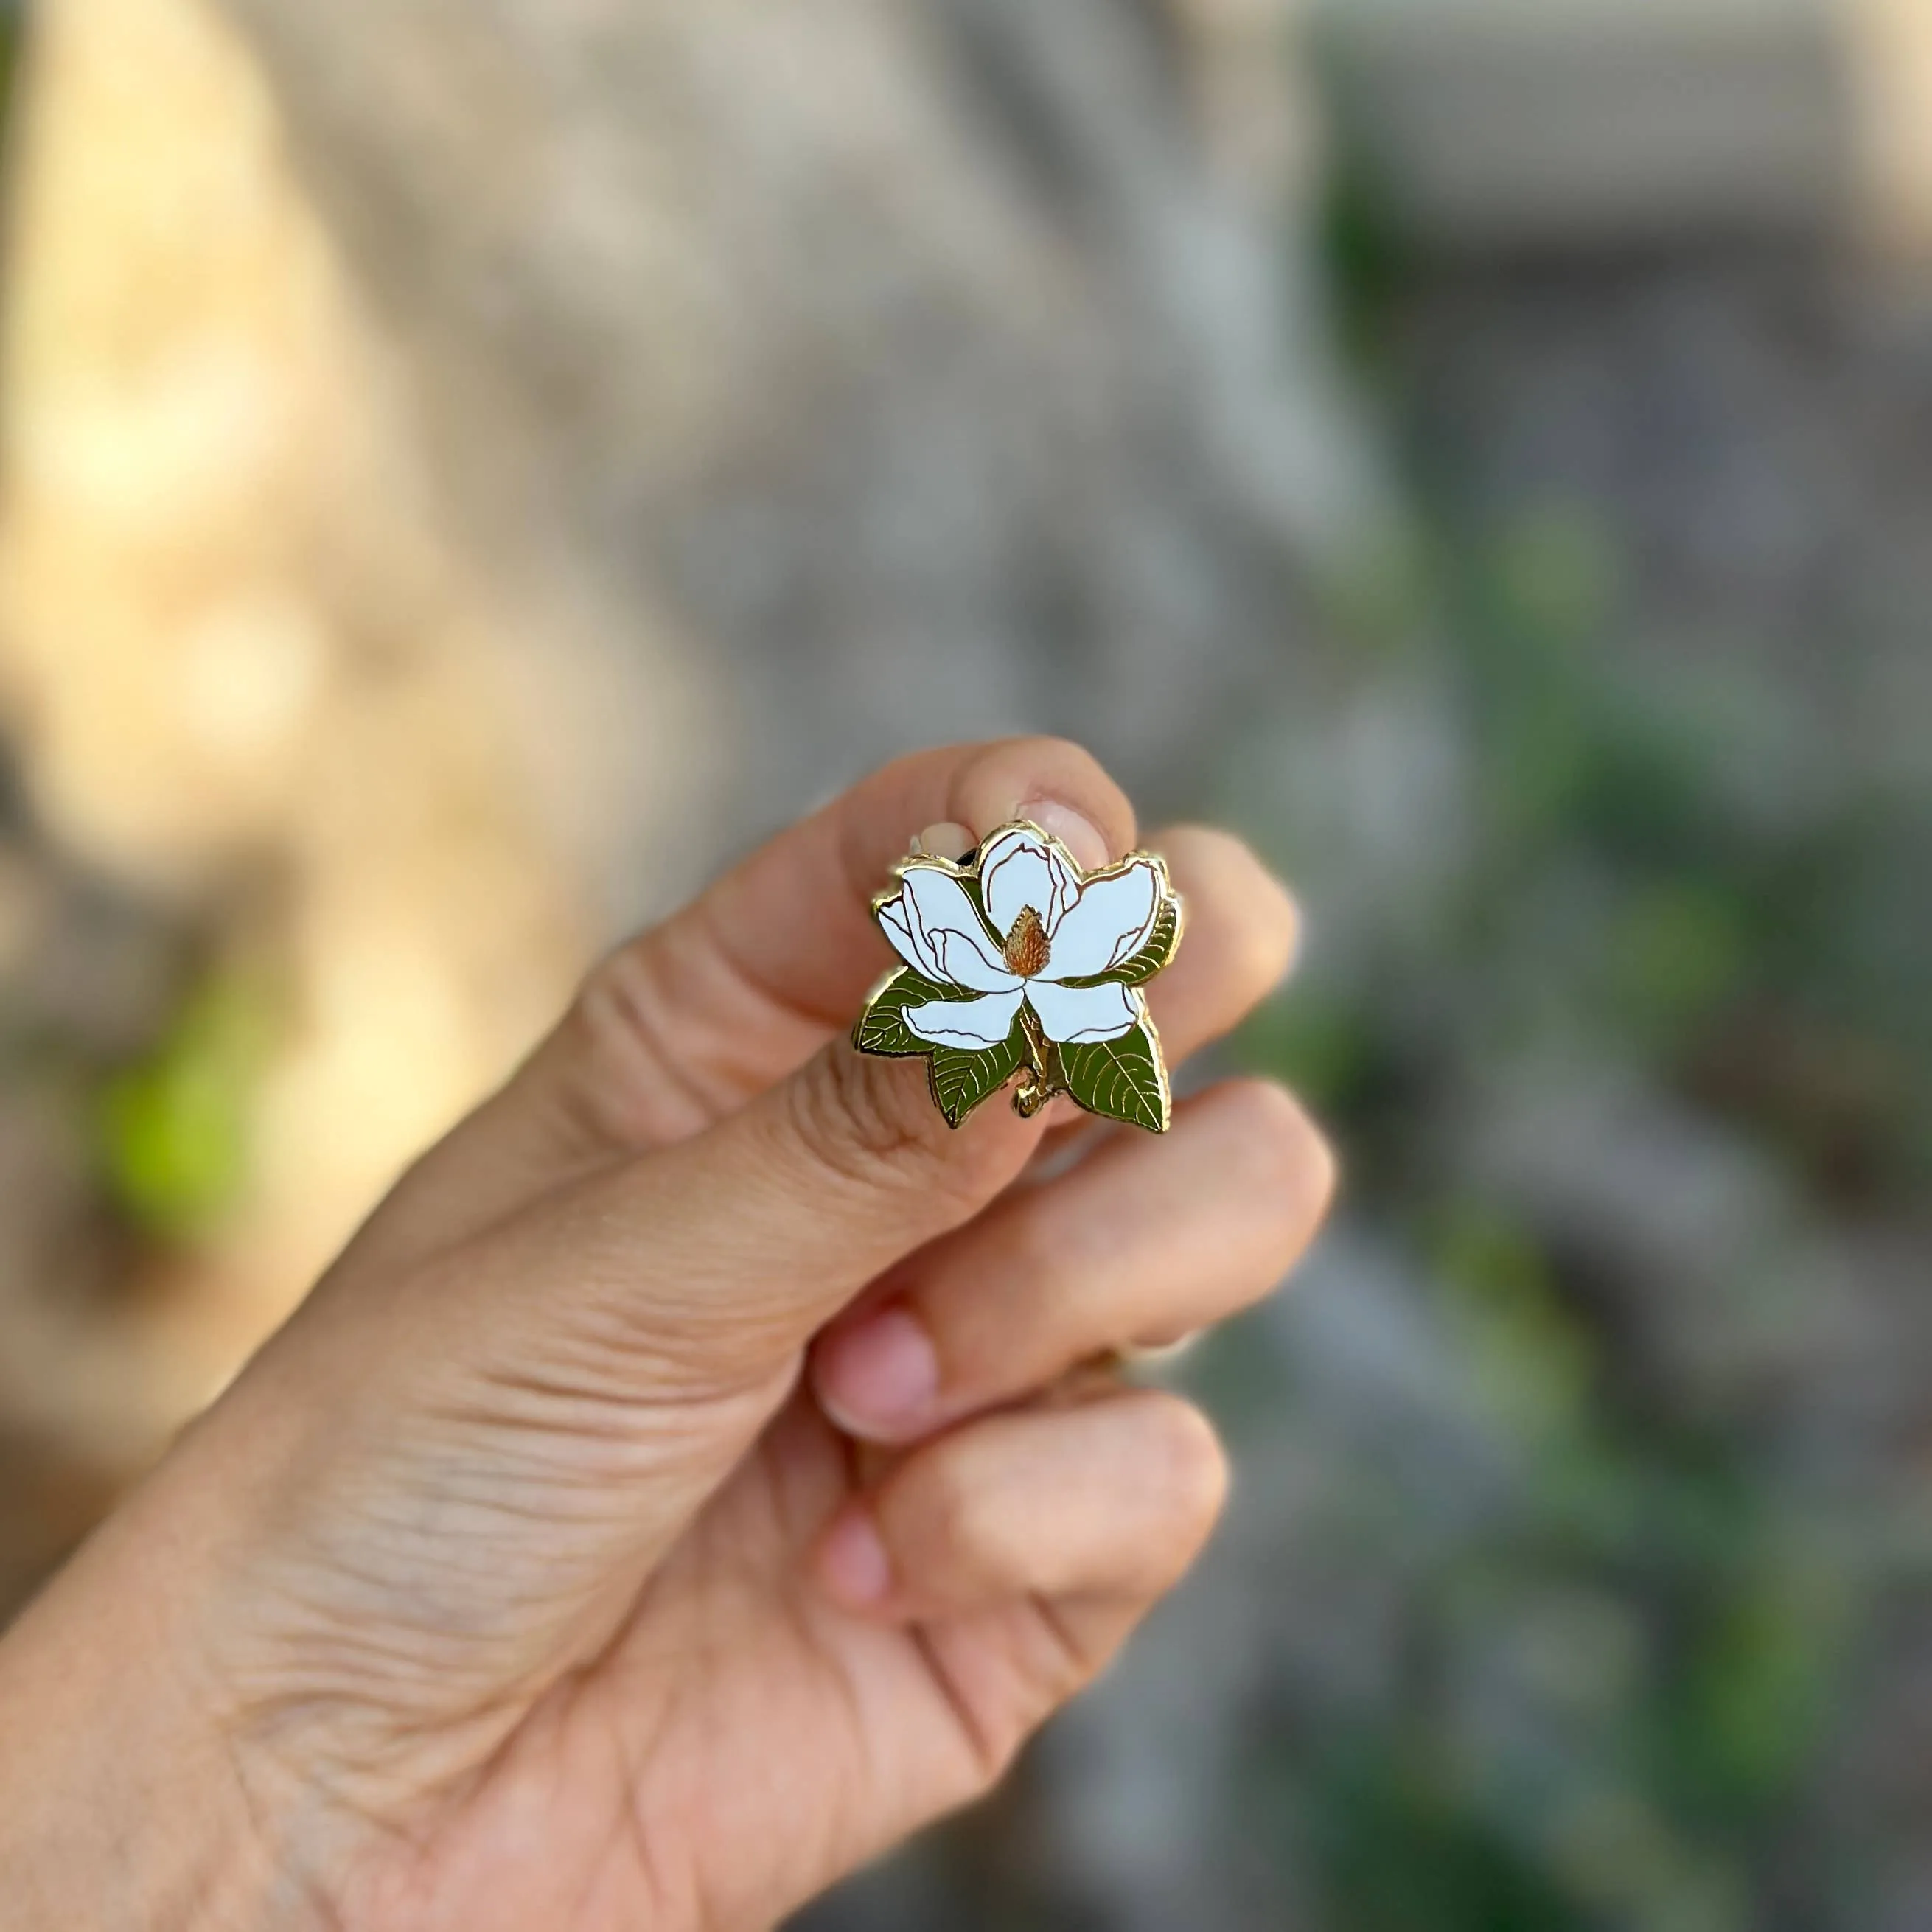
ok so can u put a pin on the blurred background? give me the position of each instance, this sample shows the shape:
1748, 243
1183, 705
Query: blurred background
465, 472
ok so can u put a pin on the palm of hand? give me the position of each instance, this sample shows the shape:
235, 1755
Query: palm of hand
744, 1740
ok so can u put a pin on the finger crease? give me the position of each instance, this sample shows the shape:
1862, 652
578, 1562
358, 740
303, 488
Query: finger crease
628, 989
987, 1755
781, 999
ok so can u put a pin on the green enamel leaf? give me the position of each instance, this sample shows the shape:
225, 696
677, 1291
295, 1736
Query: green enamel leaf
963, 1077
976, 893
1120, 1078
882, 1027
1159, 949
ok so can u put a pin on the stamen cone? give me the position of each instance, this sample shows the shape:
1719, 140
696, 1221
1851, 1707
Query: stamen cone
1027, 950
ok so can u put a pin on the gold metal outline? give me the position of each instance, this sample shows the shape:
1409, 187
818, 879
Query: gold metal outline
1040, 1075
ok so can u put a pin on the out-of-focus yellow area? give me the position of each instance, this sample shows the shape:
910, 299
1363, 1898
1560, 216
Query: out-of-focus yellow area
1890, 44
246, 685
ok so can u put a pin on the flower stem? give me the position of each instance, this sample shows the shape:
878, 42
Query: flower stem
1041, 1080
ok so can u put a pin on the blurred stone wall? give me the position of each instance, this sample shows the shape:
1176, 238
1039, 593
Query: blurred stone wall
944, 366
1498, 125
468, 469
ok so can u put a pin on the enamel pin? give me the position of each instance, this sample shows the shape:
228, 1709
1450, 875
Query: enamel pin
1018, 962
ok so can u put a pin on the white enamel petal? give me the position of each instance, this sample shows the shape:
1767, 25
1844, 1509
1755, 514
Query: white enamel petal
950, 935
897, 928
984, 1021
1110, 923
966, 965
1073, 1014
1020, 868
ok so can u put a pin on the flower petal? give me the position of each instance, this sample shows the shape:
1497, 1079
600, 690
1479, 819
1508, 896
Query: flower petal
1021, 868
984, 1021
1071, 1014
950, 935
897, 927
1110, 923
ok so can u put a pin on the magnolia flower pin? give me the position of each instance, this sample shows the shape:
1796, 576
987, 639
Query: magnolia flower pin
1018, 962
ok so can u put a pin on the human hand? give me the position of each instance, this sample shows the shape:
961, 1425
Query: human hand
685, 1485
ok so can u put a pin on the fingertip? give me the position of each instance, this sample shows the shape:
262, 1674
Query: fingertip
852, 1564
1090, 846
948, 839
1240, 935
1061, 786
1195, 1467
1113, 1496
1183, 1475
1255, 917
877, 1377
1294, 1161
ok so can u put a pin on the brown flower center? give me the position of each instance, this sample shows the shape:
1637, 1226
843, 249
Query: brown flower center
1027, 951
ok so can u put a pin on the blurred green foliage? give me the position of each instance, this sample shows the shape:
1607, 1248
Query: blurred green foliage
1402, 1853
1618, 1682
1695, 930
175, 1127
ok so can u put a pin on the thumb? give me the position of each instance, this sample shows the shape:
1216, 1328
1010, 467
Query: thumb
724, 1253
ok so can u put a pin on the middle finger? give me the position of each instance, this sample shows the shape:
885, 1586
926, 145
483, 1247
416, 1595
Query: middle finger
1139, 1244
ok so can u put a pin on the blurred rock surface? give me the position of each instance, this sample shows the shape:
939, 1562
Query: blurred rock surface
945, 367
469, 469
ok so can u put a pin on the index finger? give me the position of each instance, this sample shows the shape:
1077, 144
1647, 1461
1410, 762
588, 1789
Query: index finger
792, 925
685, 1023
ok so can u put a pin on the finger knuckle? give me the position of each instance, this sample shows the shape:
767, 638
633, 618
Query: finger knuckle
866, 1123
608, 997
1284, 1159
1262, 946
854, 1118
1193, 1471
969, 1536
1258, 923
635, 1088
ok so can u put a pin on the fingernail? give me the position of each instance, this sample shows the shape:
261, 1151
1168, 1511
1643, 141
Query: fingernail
1072, 828
852, 1560
878, 1376
948, 839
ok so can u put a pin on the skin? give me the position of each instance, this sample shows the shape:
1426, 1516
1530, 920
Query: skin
693, 1478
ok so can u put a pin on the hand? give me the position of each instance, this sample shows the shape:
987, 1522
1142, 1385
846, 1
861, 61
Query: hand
534, 1574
